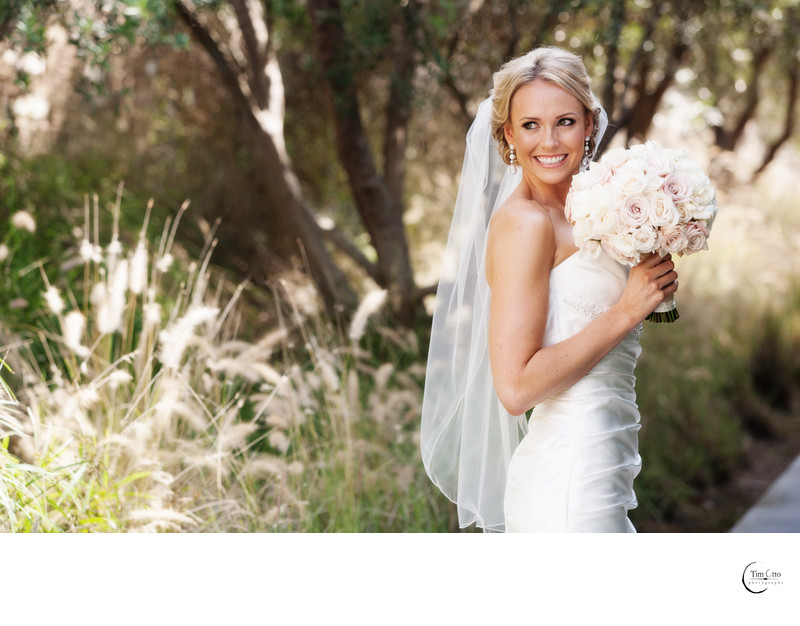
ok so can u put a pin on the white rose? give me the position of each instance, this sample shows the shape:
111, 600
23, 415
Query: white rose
653, 182
700, 211
606, 219
629, 181
662, 210
621, 247
578, 205
615, 158
704, 191
597, 174
657, 163
579, 182
583, 231
638, 151
676, 157
685, 212
645, 239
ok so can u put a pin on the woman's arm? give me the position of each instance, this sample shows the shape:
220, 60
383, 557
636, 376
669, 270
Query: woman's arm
520, 253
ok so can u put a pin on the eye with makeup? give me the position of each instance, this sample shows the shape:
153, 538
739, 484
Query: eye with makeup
532, 125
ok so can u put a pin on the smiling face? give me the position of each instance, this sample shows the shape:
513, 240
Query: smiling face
547, 128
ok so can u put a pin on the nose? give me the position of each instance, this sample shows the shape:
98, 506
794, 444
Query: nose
550, 137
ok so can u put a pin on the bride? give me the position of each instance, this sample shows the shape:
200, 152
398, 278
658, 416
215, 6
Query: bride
523, 320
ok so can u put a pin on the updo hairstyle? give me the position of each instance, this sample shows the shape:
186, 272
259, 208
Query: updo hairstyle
557, 66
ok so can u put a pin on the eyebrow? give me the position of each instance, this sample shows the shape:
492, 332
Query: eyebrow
528, 118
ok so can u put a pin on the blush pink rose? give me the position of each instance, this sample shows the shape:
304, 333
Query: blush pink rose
679, 187
635, 210
696, 237
673, 240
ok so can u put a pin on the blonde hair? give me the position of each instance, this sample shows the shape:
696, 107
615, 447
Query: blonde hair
557, 66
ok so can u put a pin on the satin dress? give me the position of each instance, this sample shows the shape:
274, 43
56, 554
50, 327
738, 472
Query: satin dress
574, 469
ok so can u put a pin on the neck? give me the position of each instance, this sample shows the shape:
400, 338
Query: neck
553, 196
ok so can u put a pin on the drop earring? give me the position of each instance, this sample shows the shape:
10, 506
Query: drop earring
512, 157
586, 159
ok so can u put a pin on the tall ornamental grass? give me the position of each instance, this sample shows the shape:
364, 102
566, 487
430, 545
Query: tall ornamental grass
143, 404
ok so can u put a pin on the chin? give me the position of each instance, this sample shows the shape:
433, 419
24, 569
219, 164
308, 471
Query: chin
556, 177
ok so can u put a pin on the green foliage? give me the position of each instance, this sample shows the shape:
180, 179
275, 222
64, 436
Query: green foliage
692, 435
727, 372
24, 22
51, 190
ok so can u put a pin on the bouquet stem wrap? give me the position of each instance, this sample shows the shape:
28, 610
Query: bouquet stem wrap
665, 313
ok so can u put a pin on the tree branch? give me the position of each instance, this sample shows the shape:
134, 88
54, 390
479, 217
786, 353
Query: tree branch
429, 290
727, 139
203, 36
637, 66
251, 19
789, 120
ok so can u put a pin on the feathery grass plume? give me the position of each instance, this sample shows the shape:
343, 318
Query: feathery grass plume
54, 300
176, 338
370, 305
23, 220
137, 277
119, 397
73, 326
141, 420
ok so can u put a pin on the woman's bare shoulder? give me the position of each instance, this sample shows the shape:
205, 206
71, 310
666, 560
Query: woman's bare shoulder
521, 241
522, 219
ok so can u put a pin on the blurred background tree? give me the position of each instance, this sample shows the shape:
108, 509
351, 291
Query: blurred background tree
315, 109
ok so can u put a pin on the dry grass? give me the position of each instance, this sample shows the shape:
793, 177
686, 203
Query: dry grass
140, 409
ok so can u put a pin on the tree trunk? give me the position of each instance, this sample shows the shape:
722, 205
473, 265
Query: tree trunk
789, 120
788, 59
257, 88
638, 66
728, 138
378, 200
649, 99
617, 21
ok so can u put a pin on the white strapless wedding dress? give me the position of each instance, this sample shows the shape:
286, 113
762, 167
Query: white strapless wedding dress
574, 469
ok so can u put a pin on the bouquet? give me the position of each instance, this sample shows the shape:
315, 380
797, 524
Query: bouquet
642, 200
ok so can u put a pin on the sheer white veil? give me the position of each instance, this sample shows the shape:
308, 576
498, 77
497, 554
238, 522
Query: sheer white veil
467, 437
